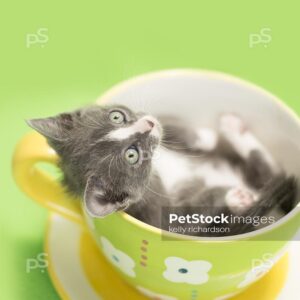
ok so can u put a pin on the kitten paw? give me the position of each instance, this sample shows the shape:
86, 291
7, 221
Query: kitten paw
232, 124
206, 139
239, 200
237, 134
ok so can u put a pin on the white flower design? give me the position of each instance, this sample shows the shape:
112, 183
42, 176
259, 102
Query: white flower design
181, 270
153, 295
253, 275
118, 258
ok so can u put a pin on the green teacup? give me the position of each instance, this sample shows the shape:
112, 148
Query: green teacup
177, 266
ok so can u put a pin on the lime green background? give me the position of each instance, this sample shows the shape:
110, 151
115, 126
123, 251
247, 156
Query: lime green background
95, 44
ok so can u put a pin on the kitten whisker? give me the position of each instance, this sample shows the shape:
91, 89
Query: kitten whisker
156, 193
185, 154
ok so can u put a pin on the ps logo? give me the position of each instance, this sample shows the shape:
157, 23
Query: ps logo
40, 38
40, 262
266, 262
263, 37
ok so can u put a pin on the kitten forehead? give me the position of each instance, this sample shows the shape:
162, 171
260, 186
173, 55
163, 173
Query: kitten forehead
140, 126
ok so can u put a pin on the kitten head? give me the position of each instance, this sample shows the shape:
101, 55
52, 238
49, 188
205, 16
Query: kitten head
105, 154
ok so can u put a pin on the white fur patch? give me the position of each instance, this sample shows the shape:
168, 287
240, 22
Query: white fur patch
207, 139
220, 175
176, 168
172, 167
122, 133
140, 126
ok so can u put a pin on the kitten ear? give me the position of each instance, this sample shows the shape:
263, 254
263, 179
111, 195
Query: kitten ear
56, 128
95, 199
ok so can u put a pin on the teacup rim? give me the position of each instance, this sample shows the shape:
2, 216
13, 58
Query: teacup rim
123, 85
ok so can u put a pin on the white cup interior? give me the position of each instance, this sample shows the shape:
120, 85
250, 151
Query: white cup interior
200, 97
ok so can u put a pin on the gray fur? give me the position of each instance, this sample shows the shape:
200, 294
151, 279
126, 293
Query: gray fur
95, 169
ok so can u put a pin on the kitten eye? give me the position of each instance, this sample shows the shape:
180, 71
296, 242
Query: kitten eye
117, 117
132, 155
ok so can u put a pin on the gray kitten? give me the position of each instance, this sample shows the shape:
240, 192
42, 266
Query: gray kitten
116, 159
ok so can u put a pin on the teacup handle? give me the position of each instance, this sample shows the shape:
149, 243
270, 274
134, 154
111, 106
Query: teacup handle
32, 149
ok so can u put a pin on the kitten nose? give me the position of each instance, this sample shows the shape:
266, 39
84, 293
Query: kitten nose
145, 124
150, 123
